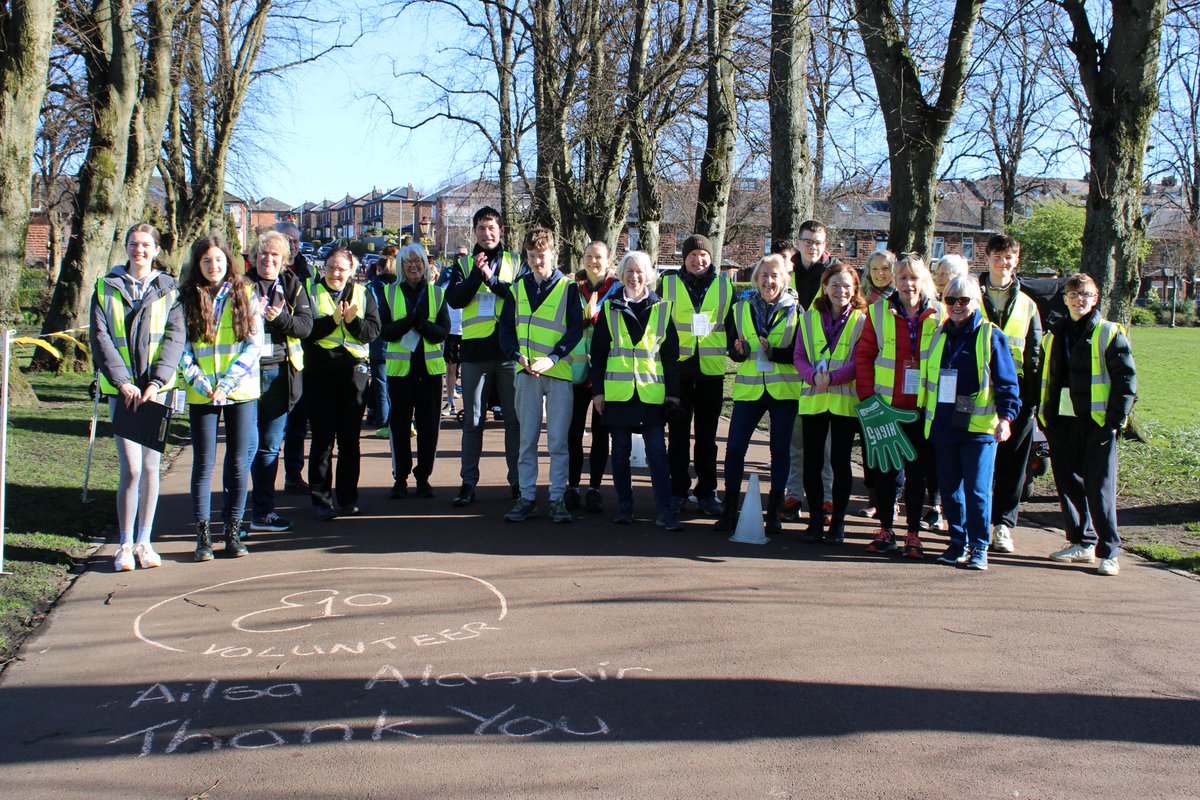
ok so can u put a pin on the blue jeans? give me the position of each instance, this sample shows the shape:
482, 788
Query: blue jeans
239, 422
272, 419
965, 477
746, 414
294, 433
381, 402
656, 456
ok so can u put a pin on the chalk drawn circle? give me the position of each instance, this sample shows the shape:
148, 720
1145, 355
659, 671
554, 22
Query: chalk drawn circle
501, 602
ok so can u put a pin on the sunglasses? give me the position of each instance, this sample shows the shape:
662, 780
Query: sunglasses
961, 302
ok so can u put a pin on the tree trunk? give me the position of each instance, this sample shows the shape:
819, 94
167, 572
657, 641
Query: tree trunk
26, 31
1120, 80
787, 94
549, 133
508, 148
716, 166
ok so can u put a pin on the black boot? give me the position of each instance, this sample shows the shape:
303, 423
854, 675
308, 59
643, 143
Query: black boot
837, 530
233, 540
815, 530
203, 542
774, 506
729, 514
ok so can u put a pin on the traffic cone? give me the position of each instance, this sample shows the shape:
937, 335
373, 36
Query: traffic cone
750, 528
637, 455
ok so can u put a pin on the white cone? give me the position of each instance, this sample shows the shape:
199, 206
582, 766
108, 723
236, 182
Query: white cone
750, 526
637, 456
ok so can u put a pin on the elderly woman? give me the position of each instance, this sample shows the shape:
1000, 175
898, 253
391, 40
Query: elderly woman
1089, 384
763, 340
414, 322
345, 320
879, 280
635, 374
970, 397
947, 268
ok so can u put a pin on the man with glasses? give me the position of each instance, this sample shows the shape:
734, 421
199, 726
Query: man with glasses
808, 265
1015, 313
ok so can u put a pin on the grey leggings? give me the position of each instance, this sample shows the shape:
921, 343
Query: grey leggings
137, 493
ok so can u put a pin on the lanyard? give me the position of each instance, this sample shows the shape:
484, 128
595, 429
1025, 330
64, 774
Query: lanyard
914, 330
839, 325
957, 351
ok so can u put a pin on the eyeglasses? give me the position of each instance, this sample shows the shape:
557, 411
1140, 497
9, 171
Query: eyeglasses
812, 242
1078, 295
961, 302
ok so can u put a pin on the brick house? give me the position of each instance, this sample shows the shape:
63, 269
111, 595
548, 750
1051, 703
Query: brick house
267, 212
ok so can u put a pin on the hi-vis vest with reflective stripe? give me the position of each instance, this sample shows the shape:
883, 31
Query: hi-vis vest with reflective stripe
474, 325
539, 331
840, 399
399, 360
983, 412
214, 358
783, 381
340, 337
1016, 329
636, 367
1102, 337
113, 304
581, 355
883, 320
716, 305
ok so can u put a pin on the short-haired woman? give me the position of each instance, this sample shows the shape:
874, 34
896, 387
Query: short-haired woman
879, 281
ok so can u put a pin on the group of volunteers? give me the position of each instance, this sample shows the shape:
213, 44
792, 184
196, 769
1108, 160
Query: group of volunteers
957, 367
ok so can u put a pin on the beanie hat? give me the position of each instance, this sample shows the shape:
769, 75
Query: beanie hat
697, 242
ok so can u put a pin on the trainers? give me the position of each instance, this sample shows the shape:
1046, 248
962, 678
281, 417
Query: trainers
1002, 539
522, 510
624, 517
383, 433
146, 557
1108, 566
271, 522
933, 519
977, 559
710, 506
668, 522
123, 560
884, 542
465, 496
827, 508
870, 512
399, 490
955, 554
325, 513
571, 497
559, 511
792, 507
912, 547
1074, 554
448, 410
593, 501
298, 486
424, 490
678, 504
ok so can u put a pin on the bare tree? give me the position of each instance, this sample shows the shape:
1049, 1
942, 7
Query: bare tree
791, 172
26, 32
1176, 152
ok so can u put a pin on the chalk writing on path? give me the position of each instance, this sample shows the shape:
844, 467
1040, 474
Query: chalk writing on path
396, 606
469, 716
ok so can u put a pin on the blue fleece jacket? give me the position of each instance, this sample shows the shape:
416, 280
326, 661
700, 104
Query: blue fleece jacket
958, 353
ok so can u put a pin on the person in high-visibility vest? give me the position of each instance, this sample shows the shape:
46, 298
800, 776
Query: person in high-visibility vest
414, 322
888, 363
1016, 315
596, 281
877, 283
1088, 385
482, 287
762, 341
336, 378
221, 367
287, 319
540, 329
635, 371
296, 429
137, 332
701, 301
826, 341
379, 402
970, 397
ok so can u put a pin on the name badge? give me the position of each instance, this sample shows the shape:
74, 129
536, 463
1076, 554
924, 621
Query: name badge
178, 400
410, 340
487, 304
1065, 407
701, 326
912, 377
947, 386
763, 362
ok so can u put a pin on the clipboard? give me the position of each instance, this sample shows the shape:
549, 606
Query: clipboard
147, 426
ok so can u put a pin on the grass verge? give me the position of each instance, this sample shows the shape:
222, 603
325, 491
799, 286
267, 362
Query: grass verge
1169, 555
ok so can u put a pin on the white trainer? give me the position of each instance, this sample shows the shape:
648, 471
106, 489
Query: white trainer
123, 562
1002, 539
146, 557
1075, 554
1108, 566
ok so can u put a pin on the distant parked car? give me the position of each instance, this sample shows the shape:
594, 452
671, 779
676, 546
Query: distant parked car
308, 249
367, 265
323, 251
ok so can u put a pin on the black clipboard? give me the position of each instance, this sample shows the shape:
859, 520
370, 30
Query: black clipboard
147, 426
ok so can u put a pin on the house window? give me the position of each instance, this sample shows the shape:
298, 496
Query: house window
852, 247
767, 243
939, 247
968, 250
633, 239
881, 243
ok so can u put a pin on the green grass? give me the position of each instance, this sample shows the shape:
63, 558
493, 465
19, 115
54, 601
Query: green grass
1171, 556
1168, 370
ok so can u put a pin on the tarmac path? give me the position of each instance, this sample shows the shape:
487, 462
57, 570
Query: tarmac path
417, 651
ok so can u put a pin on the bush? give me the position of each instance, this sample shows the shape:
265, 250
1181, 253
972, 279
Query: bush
1184, 313
1142, 316
358, 248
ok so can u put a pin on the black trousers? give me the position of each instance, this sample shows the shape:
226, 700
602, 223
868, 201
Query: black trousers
598, 459
700, 400
842, 431
416, 400
1012, 458
915, 473
1084, 459
336, 399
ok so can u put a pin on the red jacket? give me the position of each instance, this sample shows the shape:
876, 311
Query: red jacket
868, 348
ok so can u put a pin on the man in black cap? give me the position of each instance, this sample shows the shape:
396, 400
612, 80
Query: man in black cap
702, 309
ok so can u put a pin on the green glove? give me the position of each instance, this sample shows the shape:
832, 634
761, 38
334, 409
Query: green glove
888, 449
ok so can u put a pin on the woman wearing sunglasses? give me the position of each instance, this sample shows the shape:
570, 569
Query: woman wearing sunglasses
970, 398
1088, 387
